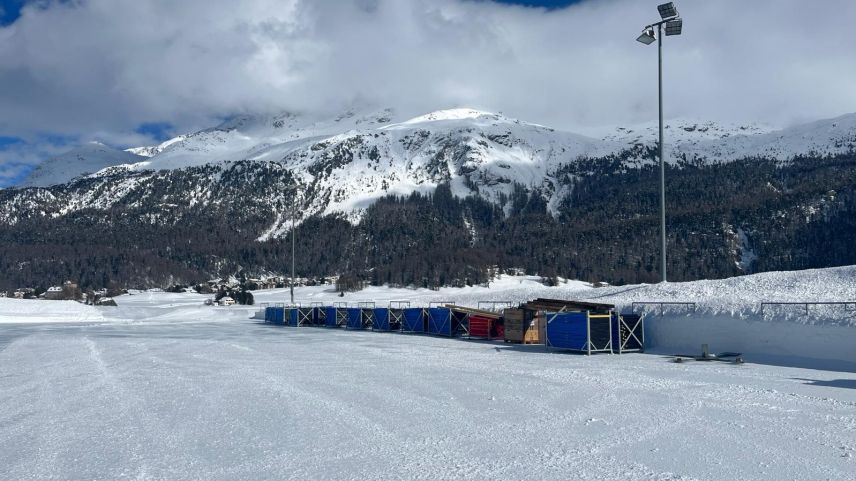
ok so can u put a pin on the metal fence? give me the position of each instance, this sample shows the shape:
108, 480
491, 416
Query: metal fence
688, 306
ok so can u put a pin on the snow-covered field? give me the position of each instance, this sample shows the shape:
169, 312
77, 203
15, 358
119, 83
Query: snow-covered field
241, 400
162, 387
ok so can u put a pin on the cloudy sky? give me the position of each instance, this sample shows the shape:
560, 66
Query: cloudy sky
132, 72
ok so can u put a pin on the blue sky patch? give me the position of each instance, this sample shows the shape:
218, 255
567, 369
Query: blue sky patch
159, 131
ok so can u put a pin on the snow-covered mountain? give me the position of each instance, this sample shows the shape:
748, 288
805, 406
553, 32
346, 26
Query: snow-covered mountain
85, 159
724, 142
351, 159
153, 150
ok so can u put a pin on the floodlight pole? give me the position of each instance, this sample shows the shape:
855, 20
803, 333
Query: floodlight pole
293, 241
674, 23
662, 161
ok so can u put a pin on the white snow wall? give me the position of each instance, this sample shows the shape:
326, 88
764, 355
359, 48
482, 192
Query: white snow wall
778, 342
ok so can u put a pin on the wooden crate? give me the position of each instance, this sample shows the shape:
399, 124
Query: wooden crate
535, 333
514, 328
522, 326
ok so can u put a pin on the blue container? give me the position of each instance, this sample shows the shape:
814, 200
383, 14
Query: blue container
268, 314
440, 321
355, 318
279, 315
567, 330
293, 317
330, 320
413, 320
381, 319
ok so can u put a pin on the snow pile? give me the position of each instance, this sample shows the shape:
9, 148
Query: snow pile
510, 289
742, 296
25, 311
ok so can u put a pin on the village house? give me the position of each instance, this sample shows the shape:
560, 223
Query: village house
54, 293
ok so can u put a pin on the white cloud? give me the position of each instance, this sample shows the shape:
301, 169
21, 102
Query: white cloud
105, 66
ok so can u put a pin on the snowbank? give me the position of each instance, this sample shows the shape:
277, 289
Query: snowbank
727, 315
26, 311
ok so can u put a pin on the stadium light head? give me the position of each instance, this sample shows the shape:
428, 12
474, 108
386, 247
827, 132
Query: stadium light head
674, 27
667, 10
647, 36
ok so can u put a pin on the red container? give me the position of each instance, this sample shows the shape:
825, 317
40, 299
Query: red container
481, 326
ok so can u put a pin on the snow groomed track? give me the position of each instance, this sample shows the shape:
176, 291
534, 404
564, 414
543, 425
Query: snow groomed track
243, 400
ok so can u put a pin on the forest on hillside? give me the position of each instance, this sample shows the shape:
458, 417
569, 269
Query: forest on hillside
785, 216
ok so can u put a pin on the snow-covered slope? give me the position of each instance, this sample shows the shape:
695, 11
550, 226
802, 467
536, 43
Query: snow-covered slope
153, 150
85, 159
723, 142
345, 162
818, 139
354, 158
241, 137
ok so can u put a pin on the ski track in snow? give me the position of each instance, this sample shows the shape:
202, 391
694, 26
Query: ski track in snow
241, 400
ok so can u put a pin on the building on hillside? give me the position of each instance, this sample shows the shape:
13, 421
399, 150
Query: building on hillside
54, 293
25, 293
227, 301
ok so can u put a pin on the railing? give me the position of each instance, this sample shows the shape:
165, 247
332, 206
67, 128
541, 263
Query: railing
439, 303
494, 306
808, 304
662, 305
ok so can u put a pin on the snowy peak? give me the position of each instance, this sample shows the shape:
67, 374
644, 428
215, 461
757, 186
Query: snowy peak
713, 142
681, 130
455, 114
85, 159
820, 139
153, 150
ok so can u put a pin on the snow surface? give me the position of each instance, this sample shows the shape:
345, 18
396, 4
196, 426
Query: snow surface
24, 311
235, 399
85, 159
726, 314
163, 387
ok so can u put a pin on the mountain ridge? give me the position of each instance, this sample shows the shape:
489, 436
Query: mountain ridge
342, 164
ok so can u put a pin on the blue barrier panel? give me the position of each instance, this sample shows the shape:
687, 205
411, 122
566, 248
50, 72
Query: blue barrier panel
330, 321
567, 330
293, 317
440, 321
279, 315
381, 319
355, 318
268, 314
413, 320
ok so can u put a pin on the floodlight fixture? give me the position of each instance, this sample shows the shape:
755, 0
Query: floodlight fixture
673, 27
667, 10
654, 32
647, 37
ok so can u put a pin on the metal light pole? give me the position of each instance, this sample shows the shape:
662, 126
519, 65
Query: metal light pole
293, 243
674, 25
